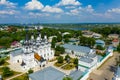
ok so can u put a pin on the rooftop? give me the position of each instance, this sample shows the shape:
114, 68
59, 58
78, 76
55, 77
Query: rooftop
100, 41
77, 48
75, 75
16, 52
86, 59
48, 73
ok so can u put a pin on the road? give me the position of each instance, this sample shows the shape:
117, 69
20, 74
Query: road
104, 71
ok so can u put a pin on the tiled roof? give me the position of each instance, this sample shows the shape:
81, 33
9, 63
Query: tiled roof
16, 52
48, 73
83, 49
75, 75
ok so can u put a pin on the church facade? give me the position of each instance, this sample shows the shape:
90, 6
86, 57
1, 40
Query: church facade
34, 52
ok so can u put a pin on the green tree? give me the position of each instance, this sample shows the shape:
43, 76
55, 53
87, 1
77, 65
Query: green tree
57, 53
2, 61
76, 62
66, 40
99, 47
67, 78
7, 72
67, 56
59, 38
118, 48
30, 71
60, 59
60, 49
54, 40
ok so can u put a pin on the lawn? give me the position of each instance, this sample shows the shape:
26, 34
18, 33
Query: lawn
22, 77
14, 73
68, 66
58, 64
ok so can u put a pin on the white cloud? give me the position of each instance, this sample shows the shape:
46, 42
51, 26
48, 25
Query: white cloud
34, 5
38, 14
8, 4
70, 7
89, 8
68, 2
74, 12
8, 12
114, 10
52, 9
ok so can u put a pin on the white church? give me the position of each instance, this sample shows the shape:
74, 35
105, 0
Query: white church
34, 52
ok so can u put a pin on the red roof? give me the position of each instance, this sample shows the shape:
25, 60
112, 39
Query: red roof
14, 43
115, 40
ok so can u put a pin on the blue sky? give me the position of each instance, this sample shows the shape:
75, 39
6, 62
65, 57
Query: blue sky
59, 11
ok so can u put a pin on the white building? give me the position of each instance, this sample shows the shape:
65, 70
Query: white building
87, 62
34, 52
77, 50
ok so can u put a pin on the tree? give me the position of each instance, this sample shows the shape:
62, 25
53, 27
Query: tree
54, 40
57, 53
7, 72
30, 71
2, 61
67, 78
118, 48
60, 49
99, 47
76, 62
67, 56
66, 40
59, 38
60, 59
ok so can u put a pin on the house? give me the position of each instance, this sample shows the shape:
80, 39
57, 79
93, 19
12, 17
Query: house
65, 33
100, 42
77, 50
87, 33
48, 73
15, 44
87, 62
96, 35
115, 42
50, 38
113, 36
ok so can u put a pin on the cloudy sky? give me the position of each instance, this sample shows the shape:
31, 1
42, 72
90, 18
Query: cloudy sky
59, 11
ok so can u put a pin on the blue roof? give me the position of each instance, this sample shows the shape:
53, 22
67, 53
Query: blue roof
77, 48
100, 41
75, 75
48, 73
16, 52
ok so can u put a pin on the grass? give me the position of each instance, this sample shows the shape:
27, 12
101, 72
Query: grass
68, 66
14, 73
58, 64
22, 77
